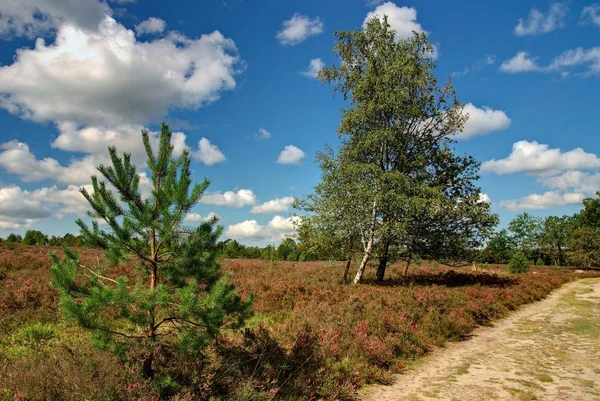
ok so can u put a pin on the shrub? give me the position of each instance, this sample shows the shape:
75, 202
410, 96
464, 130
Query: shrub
539, 262
518, 263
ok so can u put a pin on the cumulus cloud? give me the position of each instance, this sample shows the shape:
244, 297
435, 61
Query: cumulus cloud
274, 206
538, 23
241, 198
197, 218
485, 198
109, 78
262, 134
573, 180
483, 121
401, 19
291, 155
299, 28
126, 138
16, 158
578, 57
21, 208
539, 159
150, 26
38, 17
521, 62
68, 201
587, 60
15, 203
275, 230
314, 67
208, 153
543, 201
591, 14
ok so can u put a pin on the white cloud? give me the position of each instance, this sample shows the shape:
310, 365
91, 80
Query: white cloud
538, 23
591, 13
69, 201
242, 197
539, 159
274, 206
126, 138
573, 180
314, 67
483, 121
477, 66
262, 134
521, 62
197, 218
38, 17
578, 57
208, 153
401, 19
150, 26
543, 201
275, 230
109, 78
291, 155
299, 28
16, 158
20, 208
485, 198
14, 203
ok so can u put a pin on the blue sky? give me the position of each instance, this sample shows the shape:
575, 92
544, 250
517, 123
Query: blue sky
234, 80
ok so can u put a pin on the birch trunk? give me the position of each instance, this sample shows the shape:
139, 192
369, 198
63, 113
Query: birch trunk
368, 247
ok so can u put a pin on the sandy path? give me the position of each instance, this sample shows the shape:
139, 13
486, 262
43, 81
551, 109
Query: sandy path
549, 350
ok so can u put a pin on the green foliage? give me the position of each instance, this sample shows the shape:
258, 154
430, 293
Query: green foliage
539, 262
35, 333
526, 231
590, 215
35, 237
395, 185
13, 238
179, 300
518, 263
499, 248
287, 250
555, 235
584, 247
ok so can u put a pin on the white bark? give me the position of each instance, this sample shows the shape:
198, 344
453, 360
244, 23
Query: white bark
368, 245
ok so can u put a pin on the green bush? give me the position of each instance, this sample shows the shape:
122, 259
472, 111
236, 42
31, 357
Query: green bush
539, 262
518, 263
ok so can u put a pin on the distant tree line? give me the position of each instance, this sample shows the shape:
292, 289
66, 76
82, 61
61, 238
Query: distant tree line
36, 237
559, 241
231, 249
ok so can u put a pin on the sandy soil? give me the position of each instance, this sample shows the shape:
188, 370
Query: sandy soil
549, 350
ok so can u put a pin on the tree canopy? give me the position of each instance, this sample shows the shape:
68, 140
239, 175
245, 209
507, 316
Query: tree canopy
395, 184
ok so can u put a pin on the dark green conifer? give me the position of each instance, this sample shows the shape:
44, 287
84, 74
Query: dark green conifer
177, 300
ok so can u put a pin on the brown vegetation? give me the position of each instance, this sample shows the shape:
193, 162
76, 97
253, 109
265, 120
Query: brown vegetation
310, 337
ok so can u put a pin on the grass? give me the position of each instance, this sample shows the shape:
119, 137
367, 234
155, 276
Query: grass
310, 337
522, 395
544, 378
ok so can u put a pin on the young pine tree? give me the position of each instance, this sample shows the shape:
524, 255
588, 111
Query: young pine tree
177, 300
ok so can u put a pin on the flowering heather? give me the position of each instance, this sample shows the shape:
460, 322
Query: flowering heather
310, 337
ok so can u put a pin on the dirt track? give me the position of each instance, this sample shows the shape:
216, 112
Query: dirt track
545, 351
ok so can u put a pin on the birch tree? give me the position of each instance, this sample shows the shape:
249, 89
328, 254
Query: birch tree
396, 147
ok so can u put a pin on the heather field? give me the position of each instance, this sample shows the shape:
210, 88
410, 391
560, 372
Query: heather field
309, 337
